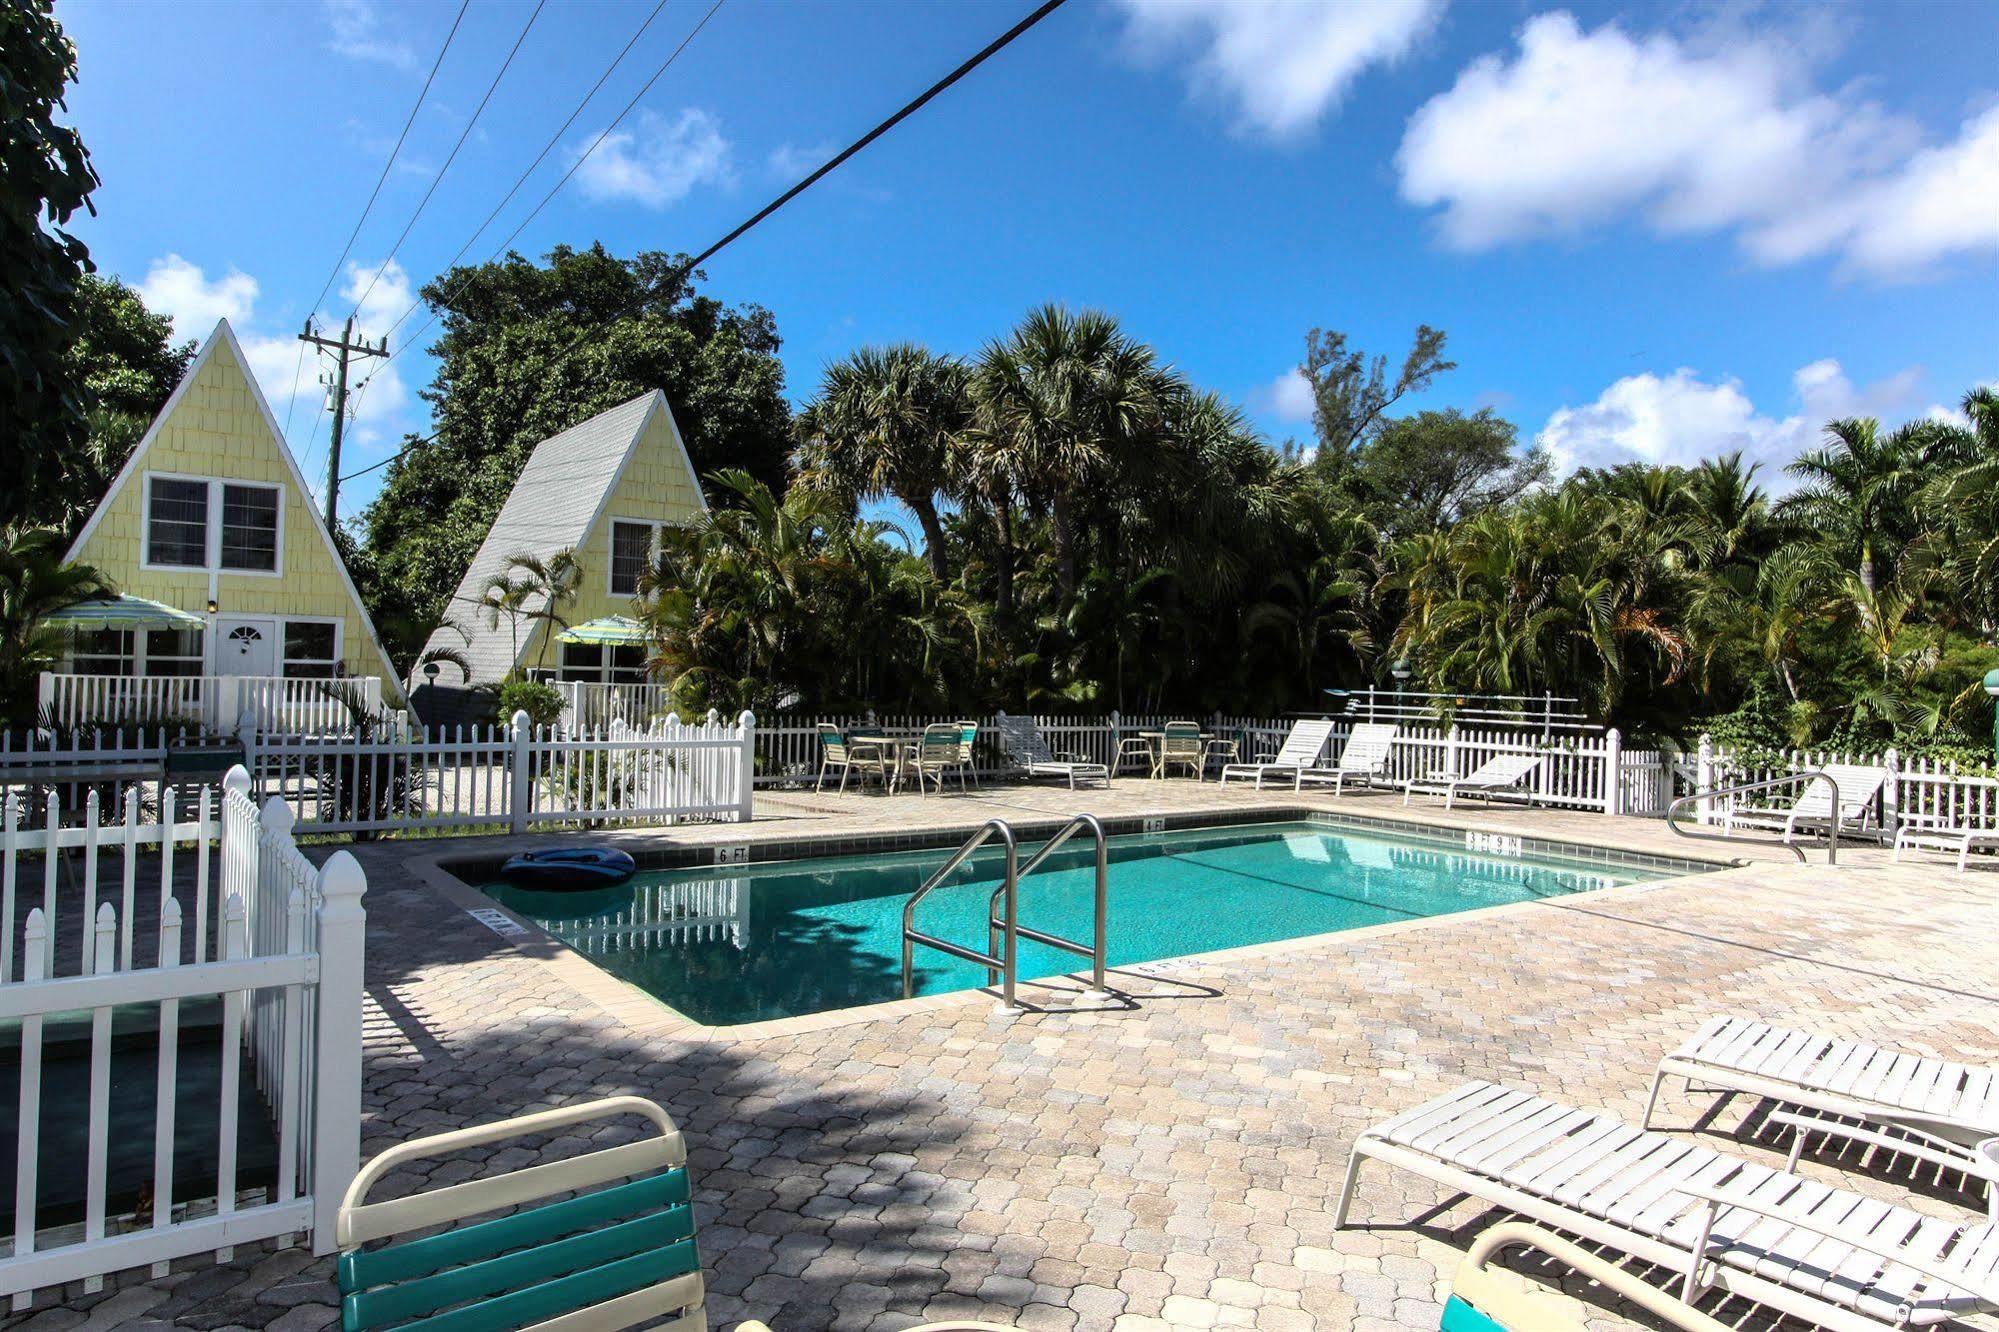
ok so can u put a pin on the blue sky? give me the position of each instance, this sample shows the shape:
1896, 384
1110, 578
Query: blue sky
1650, 231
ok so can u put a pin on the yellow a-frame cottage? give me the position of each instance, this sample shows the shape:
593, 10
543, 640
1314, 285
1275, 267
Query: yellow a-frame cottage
211, 517
602, 488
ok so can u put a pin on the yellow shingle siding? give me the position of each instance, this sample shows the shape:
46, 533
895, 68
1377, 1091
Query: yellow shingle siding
657, 486
217, 430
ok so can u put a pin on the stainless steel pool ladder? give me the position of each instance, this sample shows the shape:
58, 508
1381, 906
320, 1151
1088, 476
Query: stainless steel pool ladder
1832, 833
1003, 928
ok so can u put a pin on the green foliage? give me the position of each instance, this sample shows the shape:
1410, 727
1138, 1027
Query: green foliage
45, 176
511, 373
541, 702
1351, 394
35, 583
1425, 471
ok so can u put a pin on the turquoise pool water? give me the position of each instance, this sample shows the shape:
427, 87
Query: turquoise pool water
747, 943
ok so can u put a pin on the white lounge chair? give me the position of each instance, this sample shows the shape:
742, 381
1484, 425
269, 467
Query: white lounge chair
1363, 758
1485, 1296
1832, 1257
1498, 774
1945, 833
1858, 785
1933, 1110
1024, 745
1300, 750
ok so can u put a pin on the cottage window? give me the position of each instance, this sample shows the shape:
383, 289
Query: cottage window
250, 528
103, 652
312, 649
631, 551
173, 652
177, 523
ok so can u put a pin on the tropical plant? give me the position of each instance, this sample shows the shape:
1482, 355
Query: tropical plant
542, 702
535, 589
35, 582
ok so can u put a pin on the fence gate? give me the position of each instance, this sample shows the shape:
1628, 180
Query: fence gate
196, 972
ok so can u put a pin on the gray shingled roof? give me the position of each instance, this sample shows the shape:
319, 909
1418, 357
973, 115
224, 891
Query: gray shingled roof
550, 507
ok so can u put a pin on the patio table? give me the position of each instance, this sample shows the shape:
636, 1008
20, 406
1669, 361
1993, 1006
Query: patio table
1157, 740
884, 748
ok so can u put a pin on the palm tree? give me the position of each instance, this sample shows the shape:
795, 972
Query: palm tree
887, 422
1060, 403
534, 589
34, 584
1857, 485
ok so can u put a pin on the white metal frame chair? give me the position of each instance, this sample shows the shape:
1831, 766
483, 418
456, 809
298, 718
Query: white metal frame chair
1300, 750
939, 752
1181, 745
834, 753
1858, 785
1933, 1110
1497, 776
1484, 1296
1363, 759
1024, 744
1943, 832
1827, 1255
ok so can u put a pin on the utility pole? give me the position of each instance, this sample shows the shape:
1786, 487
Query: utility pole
346, 347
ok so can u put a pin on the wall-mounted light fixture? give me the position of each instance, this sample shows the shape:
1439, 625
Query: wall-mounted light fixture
212, 607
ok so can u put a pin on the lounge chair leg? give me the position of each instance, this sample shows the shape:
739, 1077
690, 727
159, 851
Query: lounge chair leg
1652, 1101
1354, 1158
1797, 1149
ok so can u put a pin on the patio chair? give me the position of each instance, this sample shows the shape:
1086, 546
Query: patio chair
833, 753
604, 1255
936, 754
1024, 746
1932, 1110
1951, 834
1497, 775
1181, 746
1826, 1255
1363, 759
1487, 1298
1858, 785
968, 757
618, 1256
1300, 750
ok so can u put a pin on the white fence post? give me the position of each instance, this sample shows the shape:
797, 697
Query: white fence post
746, 772
1704, 779
521, 783
336, 1112
1891, 792
45, 699
1451, 750
1613, 771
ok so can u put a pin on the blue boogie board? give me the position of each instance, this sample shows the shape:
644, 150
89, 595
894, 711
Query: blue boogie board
568, 868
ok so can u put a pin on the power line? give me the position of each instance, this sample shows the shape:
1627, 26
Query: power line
438, 179
991, 49
602, 134
539, 157
346, 249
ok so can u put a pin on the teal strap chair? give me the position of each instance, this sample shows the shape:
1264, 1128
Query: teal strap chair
615, 1250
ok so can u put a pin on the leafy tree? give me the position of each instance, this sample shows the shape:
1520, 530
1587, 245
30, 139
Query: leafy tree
1857, 489
1351, 394
528, 350
34, 584
45, 176
887, 422
1436, 467
126, 360
533, 589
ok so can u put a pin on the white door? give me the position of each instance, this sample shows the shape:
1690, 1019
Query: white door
246, 645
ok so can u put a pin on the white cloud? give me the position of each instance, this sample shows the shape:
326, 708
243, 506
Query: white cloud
1287, 397
358, 34
1578, 128
790, 161
657, 162
1679, 419
1282, 63
183, 293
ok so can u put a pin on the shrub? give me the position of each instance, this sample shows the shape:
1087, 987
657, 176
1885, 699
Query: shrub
541, 702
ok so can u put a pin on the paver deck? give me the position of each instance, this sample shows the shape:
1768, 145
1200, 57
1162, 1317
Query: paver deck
1168, 1160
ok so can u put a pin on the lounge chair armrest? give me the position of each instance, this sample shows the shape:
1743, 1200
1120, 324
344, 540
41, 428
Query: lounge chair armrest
1895, 1137
1985, 1288
1904, 819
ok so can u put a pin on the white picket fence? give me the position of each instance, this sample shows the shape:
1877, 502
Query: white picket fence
589, 705
512, 777
260, 931
270, 704
1913, 787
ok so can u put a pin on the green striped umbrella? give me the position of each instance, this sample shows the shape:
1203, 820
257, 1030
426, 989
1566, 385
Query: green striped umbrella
611, 631
122, 612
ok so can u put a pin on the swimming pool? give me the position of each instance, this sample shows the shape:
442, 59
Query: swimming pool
734, 944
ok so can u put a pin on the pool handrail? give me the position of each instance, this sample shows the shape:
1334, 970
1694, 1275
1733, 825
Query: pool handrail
1000, 965
1094, 950
1789, 779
